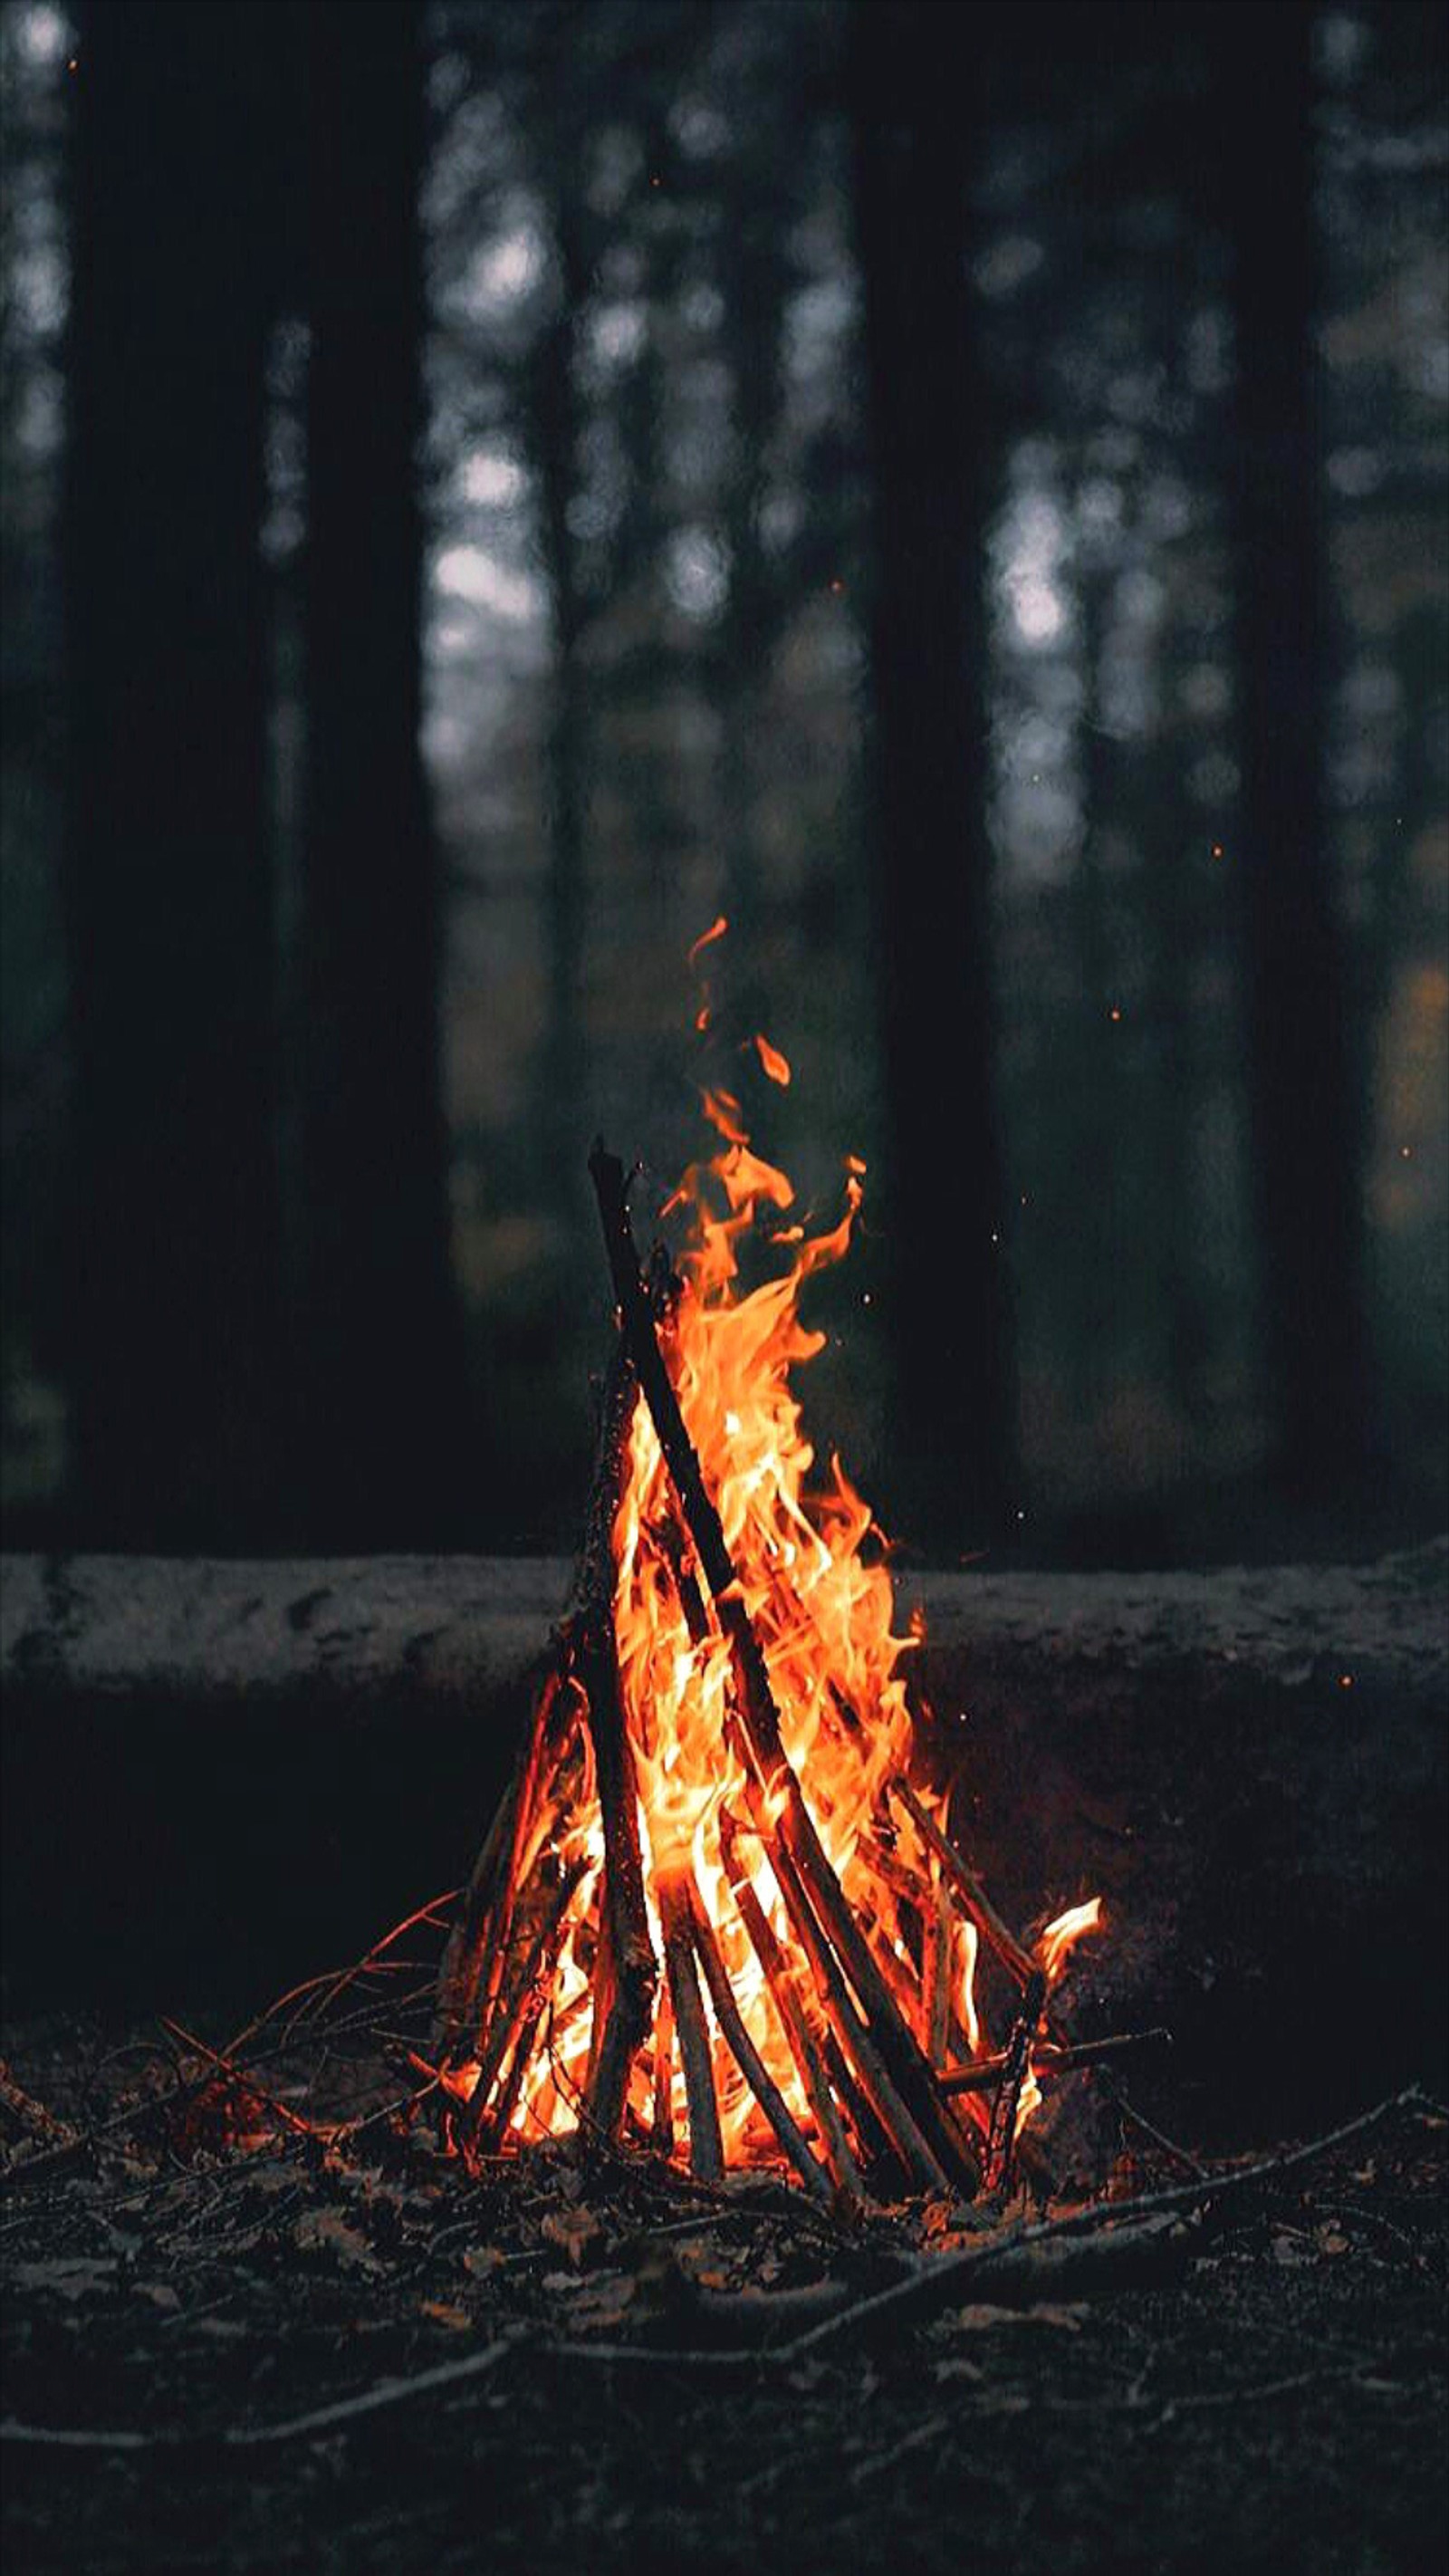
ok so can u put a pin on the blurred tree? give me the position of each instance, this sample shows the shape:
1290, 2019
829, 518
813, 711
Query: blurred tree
930, 850
1306, 1112
377, 1344
175, 1327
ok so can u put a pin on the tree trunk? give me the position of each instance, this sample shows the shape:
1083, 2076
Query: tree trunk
1305, 1115
378, 1354
930, 852
174, 1318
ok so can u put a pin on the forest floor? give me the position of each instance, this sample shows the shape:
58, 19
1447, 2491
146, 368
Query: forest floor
269, 2356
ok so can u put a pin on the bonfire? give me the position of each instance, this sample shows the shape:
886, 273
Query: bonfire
715, 1917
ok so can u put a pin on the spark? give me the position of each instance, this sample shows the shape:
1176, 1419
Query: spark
716, 930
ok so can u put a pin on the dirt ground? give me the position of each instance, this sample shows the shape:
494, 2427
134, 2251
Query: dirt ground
264, 2355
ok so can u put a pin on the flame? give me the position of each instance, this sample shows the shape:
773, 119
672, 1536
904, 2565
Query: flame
1061, 1937
810, 1562
773, 1063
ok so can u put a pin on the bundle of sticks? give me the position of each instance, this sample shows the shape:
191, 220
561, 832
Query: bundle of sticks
876, 2077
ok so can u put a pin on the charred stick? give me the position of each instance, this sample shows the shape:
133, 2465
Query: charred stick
809, 2065
855, 2038
1014, 1957
706, 2155
543, 1951
747, 2057
938, 1935
662, 2132
627, 1971
893, 2047
1001, 2137
486, 1918
466, 1948
674, 1544
1051, 2059
507, 2102
593, 1590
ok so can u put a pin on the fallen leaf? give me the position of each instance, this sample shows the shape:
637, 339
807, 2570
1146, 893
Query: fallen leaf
326, 2231
980, 2314
74, 2278
958, 2368
481, 2260
573, 2229
605, 2301
444, 2314
160, 2294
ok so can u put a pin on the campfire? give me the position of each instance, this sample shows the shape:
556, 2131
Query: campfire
714, 1917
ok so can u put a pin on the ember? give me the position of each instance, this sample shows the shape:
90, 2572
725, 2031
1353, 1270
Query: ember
713, 1916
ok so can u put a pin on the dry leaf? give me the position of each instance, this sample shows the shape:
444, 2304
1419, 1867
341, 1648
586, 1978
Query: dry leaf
326, 2231
445, 2315
1046, 2313
573, 2229
74, 2278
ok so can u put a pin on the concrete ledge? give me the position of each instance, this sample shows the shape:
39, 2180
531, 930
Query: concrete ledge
221, 1774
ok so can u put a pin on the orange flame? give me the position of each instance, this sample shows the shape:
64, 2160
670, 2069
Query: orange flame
1062, 1936
810, 1564
774, 1064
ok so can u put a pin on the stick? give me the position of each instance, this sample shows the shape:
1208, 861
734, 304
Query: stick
706, 2155
856, 2043
538, 1964
1016, 1959
937, 1934
662, 2132
1051, 2059
921, 2287
479, 1940
746, 2056
323, 2419
239, 2076
1001, 2136
780, 1977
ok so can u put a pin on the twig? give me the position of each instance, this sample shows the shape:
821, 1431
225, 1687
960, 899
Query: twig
238, 2075
1014, 1956
1001, 2137
322, 2419
1051, 2059
1131, 2226
1199, 2194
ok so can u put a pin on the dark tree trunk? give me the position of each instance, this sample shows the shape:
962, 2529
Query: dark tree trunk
378, 1352
554, 427
1306, 1124
1094, 1102
755, 284
930, 852
175, 1325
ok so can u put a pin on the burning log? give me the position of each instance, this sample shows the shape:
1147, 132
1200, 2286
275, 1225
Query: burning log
705, 1785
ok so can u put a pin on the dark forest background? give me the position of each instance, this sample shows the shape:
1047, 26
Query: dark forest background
961, 491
